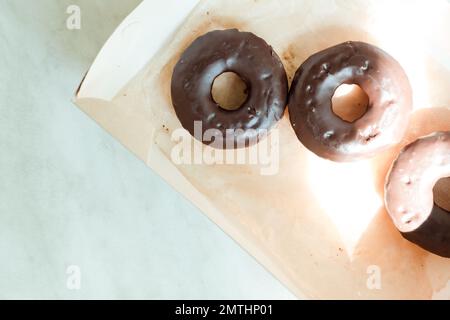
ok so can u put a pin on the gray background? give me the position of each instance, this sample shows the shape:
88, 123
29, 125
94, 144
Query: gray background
71, 195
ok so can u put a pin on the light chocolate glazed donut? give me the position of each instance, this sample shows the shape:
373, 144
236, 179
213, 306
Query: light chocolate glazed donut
409, 193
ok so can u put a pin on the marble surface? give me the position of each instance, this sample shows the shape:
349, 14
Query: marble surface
70, 195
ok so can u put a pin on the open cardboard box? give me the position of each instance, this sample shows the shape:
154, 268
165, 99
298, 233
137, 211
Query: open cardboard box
318, 226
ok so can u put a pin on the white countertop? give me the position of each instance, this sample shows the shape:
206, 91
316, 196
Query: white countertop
71, 195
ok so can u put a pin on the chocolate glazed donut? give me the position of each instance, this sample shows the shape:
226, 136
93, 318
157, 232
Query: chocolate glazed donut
378, 74
409, 193
251, 58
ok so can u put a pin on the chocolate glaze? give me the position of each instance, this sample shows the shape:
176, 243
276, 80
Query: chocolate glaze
254, 61
378, 74
409, 193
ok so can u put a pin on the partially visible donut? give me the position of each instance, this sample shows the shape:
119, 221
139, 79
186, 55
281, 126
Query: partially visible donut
251, 58
409, 193
378, 74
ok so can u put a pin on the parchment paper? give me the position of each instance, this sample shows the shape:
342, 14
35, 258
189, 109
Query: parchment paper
319, 226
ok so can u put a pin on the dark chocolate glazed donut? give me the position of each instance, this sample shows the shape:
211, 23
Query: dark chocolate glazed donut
251, 58
378, 74
409, 193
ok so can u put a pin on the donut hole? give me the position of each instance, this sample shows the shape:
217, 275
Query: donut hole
441, 193
350, 102
229, 91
